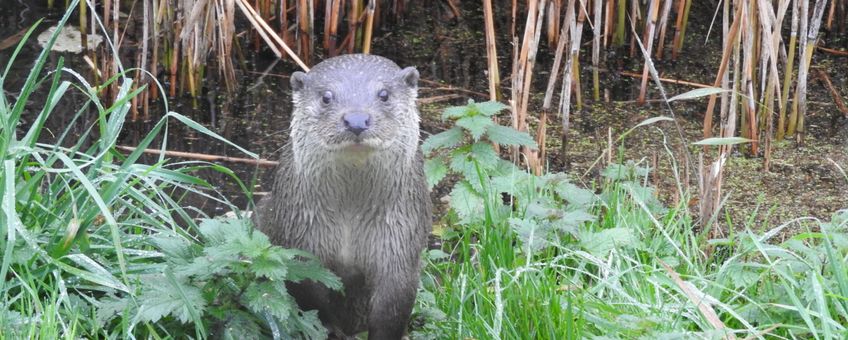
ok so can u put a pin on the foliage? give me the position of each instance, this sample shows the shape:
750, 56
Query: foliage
97, 245
467, 149
233, 282
540, 257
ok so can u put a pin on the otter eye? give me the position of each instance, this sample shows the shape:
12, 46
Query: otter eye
384, 95
327, 97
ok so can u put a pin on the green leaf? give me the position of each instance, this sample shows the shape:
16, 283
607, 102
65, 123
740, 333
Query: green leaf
533, 237
240, 325
466, 202
456, 112
602, 242
435, 170
723, 141
476, 125
270, 265
444, 139
490, 108
505, 135
698, 93
486, 156
160, 298
307, 267
271, 297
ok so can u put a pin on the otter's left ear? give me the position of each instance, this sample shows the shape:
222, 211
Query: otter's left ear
409, 76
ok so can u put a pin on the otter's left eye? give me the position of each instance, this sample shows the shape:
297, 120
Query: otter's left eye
327, 97
384, 95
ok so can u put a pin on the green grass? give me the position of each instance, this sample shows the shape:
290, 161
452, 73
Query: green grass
615, 274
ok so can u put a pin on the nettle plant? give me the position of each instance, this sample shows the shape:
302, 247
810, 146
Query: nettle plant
231, 284
493, 191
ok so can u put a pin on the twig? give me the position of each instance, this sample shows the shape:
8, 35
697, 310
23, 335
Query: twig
837, 98
833, 51
203, 157
666, 80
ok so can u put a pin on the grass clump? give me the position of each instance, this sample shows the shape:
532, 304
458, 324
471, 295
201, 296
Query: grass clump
547, 259
97, 245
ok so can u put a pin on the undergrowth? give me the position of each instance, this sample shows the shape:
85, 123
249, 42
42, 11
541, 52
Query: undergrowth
96, 246
538, 257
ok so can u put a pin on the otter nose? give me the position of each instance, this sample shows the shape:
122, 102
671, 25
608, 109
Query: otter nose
357, 122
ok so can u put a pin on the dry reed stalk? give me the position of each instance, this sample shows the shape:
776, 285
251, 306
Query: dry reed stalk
803, 20
552, 19
725, 57
834, 93
686, 7
565, 94
284, 21
771, 24
806, 59
650, 27
563, 39
749, 123
369, 27
203, 157
523, 79
608, 22
512, 18
491, 51
304, 33
634, 17
353, 24
787, 71
663, 24
666, 80
618, 38
596, 50
332, 35
678, 25
268, 34
576, 85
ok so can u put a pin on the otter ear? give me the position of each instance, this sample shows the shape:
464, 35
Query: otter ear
409, 76
298, 81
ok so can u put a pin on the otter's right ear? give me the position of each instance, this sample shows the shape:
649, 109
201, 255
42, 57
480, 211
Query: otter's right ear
298, 81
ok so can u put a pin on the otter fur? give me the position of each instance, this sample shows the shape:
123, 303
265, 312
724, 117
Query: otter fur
350, 188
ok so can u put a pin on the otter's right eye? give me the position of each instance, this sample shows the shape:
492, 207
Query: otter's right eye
327, 97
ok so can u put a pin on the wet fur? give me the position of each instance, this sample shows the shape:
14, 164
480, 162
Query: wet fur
366, 214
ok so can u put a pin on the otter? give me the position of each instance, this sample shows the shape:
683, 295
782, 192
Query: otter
350, 188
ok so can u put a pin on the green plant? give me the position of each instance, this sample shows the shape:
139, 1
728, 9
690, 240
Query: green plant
232, 281
96, 244
467, 150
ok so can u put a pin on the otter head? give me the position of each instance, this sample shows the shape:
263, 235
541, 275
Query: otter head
354, 106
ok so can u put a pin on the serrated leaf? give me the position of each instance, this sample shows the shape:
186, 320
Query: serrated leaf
270, 265
505, 135
698, 93
572, 219
486, 156
445, 139
240, 325
307, 267
466, 202
455, 112
476, 125
490, 108
723, 141
602, 242
435, 170
533, 237
271, 297
161, 298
